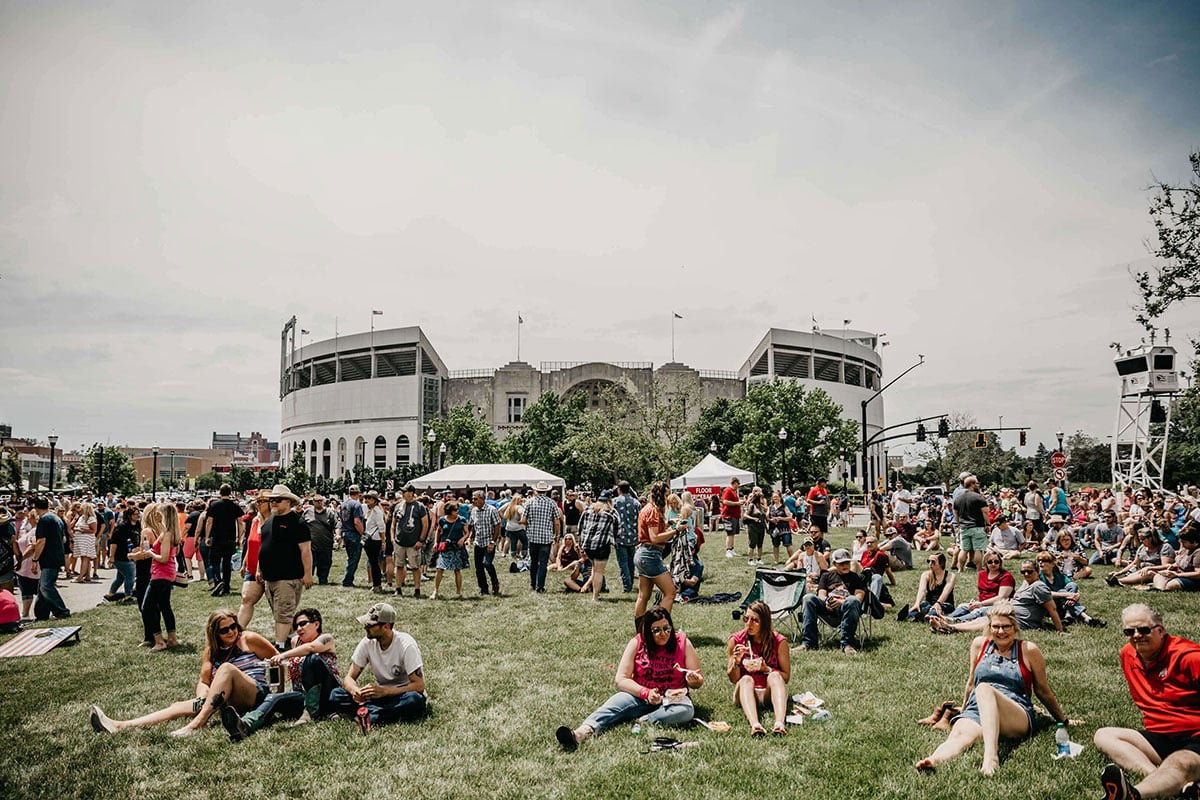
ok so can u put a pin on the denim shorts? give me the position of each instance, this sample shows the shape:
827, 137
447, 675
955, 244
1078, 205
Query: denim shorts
649, 561
781, 538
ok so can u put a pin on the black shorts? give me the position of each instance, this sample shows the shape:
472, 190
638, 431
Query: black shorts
1165, 743
29, 586
822, 523
600, 553
731, 525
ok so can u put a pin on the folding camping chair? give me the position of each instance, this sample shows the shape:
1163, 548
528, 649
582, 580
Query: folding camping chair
872, 610
783, 592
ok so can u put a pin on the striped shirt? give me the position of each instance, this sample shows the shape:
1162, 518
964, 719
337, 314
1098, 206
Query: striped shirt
483, 522
598, 529
540, 514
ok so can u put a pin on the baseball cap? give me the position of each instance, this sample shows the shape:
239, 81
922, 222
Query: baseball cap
841, 556
378, 614
354, 489
605, 495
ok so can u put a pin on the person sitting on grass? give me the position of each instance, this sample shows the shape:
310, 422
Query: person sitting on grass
929, 537
658, 670
1071, 557
313, 671
231, 674
1161, 671
1033, 604
1007, 540
398, 694
876, 563
1064, 591
580, 579
840, 598
935, 592
760, 666
1005, 672
1184, 574
1153, 556
568, 554
994, 583
899, 550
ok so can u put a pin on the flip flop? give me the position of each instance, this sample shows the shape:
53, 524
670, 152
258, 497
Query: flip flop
758, 731
779, 729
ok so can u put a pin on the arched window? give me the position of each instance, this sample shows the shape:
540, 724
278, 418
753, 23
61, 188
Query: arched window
380, 452
341, 457
325, 459
360, 452
402, 451
312, 457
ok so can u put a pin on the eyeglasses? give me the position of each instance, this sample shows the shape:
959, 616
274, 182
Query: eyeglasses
660, 631
1001, 627
224, 629
992, 561
1144, 630
860, 536
1028, 571
302, 623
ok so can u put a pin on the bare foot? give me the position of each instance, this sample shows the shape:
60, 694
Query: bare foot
926, 765
989, 767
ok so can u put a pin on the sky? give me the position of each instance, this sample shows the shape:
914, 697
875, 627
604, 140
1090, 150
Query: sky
969, 178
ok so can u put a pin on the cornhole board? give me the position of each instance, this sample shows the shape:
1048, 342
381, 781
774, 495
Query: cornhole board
38, 641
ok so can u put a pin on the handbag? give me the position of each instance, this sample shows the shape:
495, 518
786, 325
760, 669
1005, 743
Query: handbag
182, 579
441, 548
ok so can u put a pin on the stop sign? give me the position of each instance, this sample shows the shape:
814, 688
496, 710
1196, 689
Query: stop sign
1058, 460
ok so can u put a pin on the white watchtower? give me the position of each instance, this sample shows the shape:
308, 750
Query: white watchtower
1149, 381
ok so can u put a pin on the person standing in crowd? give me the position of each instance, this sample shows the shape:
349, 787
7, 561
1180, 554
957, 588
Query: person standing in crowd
284, 559
373, 532
252, 590
1056, 500
754, 516
731, 515
160, 538
9, 551
222, 534
1035, 507
514, 527
818, 504
572, 509
543, 521
83, 541
27, 571
451, 550
781, 526
398, 693
653, 536
484, 526
411, 530
321, 526
597, 535
627, 509
1163, 674
50, 556
353, 520
125, 538
971, 509
195, 523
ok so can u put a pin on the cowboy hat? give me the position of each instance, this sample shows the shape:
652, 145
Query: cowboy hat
283, 492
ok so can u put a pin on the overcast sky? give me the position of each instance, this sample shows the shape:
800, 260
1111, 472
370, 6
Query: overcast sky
969, 178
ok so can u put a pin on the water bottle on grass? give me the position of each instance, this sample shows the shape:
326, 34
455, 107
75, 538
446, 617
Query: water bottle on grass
1062, 740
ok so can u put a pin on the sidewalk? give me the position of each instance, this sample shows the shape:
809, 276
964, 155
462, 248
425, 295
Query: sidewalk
84, 596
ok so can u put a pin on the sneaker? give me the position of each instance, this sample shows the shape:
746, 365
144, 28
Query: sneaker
101, 723
399, 593
417, 593
364, 720
730, 554
902, 614
1096, 623
1111, 580
234, 726
566, 738
1116, 785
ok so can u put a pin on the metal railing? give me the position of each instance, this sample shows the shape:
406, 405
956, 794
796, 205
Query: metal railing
471, 373
551, 366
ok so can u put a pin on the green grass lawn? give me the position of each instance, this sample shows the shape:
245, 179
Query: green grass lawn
504, 672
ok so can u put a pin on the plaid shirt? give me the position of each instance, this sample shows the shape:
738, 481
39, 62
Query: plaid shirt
540, 513
599, 528
483, 522
627, 508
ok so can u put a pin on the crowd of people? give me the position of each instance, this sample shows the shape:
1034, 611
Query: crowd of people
282, 544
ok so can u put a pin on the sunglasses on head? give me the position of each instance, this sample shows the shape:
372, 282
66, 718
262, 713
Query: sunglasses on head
1144, 630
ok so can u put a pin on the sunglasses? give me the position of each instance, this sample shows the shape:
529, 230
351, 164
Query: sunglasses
224, 629
303, 623
992, 561
1028, 571
276, 500
1144, 630
660, 631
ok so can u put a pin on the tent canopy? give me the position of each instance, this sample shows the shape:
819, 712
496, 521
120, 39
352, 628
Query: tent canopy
711, 471
486, 476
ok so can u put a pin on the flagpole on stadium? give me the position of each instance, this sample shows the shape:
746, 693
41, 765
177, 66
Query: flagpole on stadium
520, 322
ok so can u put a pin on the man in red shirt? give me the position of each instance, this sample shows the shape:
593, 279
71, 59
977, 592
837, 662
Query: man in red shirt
1163, 673
731, 514
818, 505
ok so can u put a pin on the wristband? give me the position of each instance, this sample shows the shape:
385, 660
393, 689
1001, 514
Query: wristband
644, 693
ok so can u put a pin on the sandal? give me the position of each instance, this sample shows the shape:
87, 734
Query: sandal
758, 731
779, 729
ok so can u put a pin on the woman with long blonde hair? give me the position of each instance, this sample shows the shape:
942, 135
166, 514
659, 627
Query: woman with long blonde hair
83, 540
160, 537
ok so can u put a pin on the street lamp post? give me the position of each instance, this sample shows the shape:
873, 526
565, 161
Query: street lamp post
154, 478
53, 439
783, 434
442, 455
431, 437
1059, 434
867, 471
172, 482
100, 466
712, 448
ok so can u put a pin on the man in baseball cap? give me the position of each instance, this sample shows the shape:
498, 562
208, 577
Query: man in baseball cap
398, 693
839, 600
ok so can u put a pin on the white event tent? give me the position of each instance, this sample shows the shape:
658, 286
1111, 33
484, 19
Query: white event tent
486, 476
711, 471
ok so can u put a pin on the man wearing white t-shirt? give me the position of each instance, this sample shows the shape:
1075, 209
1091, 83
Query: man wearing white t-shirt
901, 501
398, 695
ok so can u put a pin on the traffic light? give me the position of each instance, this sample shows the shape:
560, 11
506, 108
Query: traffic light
943, 428
920, 431
980, 439
1023, 437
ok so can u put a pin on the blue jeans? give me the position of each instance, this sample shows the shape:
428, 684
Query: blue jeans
1104, 558
964, 613
205, 554
625, 554
125, 572
322, 561
485, 569
846, 617
623, 706
383, 710
539, 557
49, 602
353, 546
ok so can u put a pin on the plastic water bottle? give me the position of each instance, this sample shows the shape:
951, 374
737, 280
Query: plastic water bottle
1063, 740
636, 729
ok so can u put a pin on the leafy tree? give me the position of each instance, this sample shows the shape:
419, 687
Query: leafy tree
817, 433
1089, 460
242, 479
1183, 443
604, 451
717, 424
119, 474
209, 481
11, 473
295, 474
468, 439
1176, 214
548, 423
